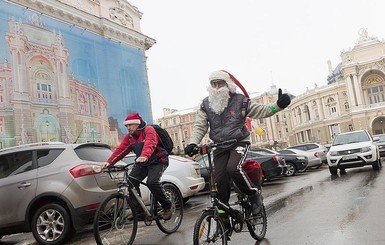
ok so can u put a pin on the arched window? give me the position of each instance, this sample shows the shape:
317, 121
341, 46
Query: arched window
374, 87
332, 105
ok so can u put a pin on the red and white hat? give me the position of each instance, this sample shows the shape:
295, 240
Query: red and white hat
133, 118
221, 75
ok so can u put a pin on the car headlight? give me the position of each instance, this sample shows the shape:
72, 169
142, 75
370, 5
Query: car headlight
365, 149
301, 158
333, 153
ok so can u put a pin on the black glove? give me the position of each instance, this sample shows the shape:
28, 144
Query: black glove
283, 99
191, 150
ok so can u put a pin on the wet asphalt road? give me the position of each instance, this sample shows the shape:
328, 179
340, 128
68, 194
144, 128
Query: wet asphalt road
311, 208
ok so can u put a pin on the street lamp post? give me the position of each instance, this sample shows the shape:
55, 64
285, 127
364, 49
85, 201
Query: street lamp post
47, 124
93, 131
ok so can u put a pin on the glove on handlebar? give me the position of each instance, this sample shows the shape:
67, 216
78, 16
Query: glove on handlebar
283, 99
191, 150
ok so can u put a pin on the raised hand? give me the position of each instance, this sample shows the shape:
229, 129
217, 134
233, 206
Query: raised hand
283, 99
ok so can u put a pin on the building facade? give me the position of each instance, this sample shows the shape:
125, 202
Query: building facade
70, 70
352, 99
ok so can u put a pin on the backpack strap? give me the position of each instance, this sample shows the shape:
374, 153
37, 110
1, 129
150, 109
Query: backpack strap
245, 105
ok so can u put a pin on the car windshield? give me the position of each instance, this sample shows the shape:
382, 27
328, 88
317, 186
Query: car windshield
266, 151
286, 152
382, 138
342, 139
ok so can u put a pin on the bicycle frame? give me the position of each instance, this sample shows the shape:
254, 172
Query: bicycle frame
126, 187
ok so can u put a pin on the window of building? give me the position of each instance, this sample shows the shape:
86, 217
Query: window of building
346, 105
350, 126
277, 118
376, 94
174, 121
307, 113
374, 87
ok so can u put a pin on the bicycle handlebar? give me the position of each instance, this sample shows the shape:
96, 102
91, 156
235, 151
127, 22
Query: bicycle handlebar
117, 168
204, 149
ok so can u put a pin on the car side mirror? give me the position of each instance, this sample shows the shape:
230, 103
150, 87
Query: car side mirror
376, 138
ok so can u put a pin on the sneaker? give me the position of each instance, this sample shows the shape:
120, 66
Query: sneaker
167, 214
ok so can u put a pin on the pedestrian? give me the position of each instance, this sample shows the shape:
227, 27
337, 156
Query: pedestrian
151, 162
221, 112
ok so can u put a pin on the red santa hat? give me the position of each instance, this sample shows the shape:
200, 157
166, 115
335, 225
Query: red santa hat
133, 118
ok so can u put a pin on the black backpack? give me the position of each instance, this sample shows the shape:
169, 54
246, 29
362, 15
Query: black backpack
165, 138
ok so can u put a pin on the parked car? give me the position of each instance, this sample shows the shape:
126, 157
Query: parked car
183, 173
353, 149
203, 165
272, 165
295, 163
51, 188
381, 144
313, 159
312, 147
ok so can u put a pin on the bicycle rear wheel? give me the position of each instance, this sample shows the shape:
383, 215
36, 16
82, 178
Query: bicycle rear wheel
209, 229
258, 226
115, 222
172, 225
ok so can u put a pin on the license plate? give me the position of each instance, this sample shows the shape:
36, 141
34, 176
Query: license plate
350, 157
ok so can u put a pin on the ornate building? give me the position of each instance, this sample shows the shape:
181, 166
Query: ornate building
69, 68
353, 99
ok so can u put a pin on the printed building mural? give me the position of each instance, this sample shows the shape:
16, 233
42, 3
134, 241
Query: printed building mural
61, 82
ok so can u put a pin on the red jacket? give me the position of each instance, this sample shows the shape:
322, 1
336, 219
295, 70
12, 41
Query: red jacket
150, 149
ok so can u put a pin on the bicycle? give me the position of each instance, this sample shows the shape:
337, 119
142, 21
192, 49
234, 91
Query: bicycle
212, 226
116, 220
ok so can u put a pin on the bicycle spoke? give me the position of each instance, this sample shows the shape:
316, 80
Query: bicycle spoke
115, 223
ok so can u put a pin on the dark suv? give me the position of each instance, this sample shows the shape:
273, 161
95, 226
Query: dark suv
51, 189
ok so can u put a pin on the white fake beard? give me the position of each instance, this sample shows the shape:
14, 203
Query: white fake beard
218, 98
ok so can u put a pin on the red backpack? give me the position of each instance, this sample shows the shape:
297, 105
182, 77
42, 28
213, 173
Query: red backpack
254, 171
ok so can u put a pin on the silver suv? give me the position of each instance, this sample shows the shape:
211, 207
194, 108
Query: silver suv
318, 150
353, 149
51, 189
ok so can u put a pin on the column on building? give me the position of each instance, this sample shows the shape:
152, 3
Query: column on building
349, 86
358, 90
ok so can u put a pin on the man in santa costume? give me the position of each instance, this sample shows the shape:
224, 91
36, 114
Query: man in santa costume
221, 111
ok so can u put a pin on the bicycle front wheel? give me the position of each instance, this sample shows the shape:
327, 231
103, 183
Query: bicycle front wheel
172, 225
115, 222
258, 225
209, 229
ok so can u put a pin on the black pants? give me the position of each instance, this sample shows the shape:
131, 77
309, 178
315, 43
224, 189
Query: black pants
227, 166
153, 173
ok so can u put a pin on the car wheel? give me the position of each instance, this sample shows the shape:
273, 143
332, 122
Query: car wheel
291, 169
51, 224
376, 165
342, 171
333, 170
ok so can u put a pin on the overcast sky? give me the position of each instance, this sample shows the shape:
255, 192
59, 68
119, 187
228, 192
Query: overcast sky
287, 43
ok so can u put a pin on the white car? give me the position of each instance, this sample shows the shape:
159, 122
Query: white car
314, 160
353, 149
315, 148
184, 173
